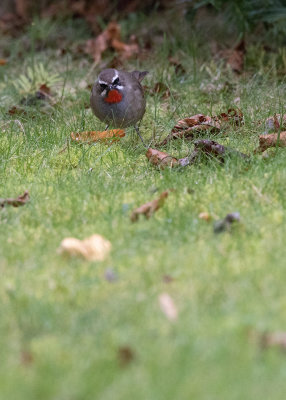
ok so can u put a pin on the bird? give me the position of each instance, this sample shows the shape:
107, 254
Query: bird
117, 98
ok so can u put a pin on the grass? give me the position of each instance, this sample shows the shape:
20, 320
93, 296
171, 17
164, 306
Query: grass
62, 323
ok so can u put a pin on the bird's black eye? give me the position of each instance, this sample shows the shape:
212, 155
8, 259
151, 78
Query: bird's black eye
116, 81
103, 85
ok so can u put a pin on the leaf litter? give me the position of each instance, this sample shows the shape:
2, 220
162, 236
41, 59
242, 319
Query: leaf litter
274, 339
271, 140
168, 307
110, 38
148, 209
16, 202
276, 123
225, 224
125, 355
97, 136
93, 248
189, 127
202, 146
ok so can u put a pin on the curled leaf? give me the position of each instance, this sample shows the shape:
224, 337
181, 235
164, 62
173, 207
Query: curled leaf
168, 307
125, 355
16, 111
205, 216
275, 339
149, 208
188, 127
275, 123
232, 115
271, 140
210, 147
161, 159
93, 248
224, 224
235, 57
98, 136
179, 69
19, 201
160, 89
111, 38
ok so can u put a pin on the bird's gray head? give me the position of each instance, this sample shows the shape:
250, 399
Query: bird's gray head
109, 79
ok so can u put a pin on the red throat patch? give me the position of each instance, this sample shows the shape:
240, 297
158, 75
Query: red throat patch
113, 96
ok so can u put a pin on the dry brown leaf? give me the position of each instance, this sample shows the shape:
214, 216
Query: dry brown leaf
271, 140
95, 47
161, 159
275, 123
159, 88
19, 201
125, 355
45, 89
22, 8
232, 115
188, 127
111, 38
205, 216
167, 278
149, 208
235, 57
179, 69
93, 248
98, 136
27, 358
168, 307
275, 339
125, 50
3, 62
16, 111
210, 147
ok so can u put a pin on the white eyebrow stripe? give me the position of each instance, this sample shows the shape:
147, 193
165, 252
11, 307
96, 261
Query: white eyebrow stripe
102, 82
115, 76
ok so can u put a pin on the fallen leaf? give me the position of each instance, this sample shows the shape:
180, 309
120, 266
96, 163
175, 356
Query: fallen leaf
16, 111
26, 358
210, 147
232, 115
168, 307
149, 208
19, 201
224, 224
98, 136
3, 62
271, 140
235, 57
275, 123
275, 339
167, 278
179, 69
33, 99
205, 216
93, 248
188, 127
161, 159
161, 89
126, 50
45, 89
125, 355
111, 38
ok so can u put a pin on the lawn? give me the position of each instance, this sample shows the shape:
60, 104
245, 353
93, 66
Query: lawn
78, 330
